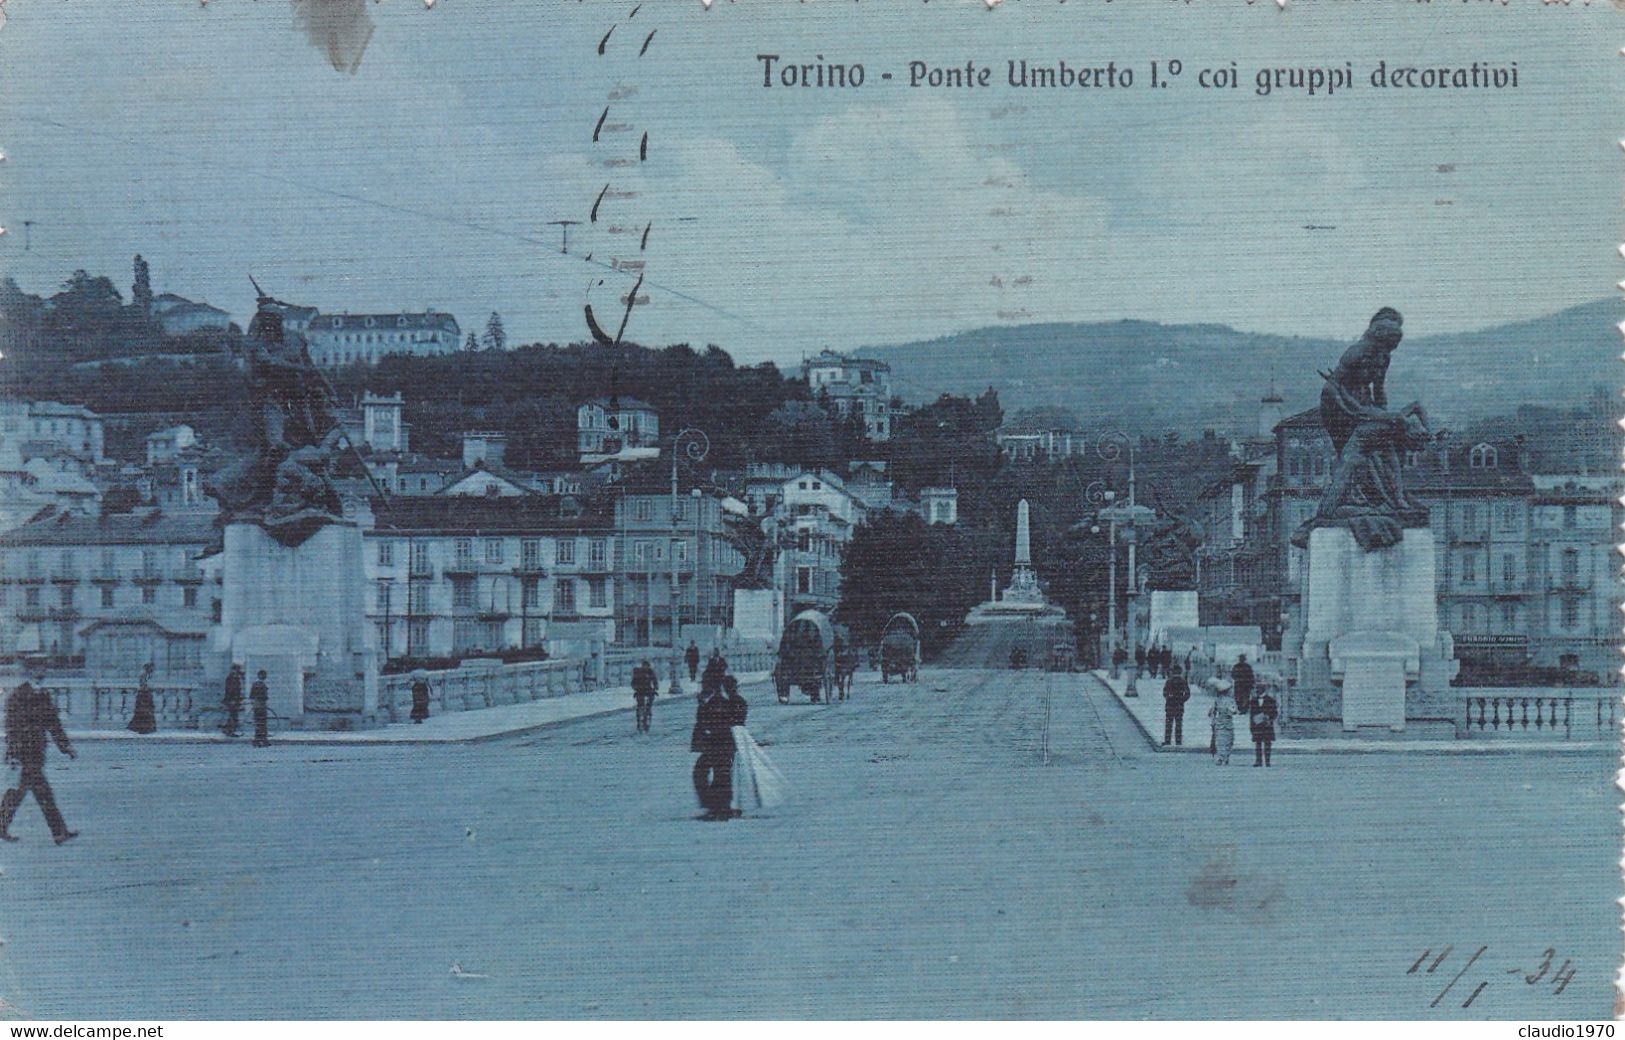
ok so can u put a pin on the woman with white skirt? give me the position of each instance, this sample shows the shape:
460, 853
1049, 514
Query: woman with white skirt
1223, 714
757, 782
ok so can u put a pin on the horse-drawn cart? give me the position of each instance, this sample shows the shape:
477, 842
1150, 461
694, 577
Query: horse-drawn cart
806, 658
900, 649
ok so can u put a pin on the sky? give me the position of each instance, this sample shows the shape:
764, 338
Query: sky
218, 140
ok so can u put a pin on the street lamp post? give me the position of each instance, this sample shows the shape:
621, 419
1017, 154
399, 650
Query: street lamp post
1110, 445
696, 445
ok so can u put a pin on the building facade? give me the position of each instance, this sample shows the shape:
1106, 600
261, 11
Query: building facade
1573, 576
1021, 445
45, 428
853, 385
343, 339
453, 576
608, 426
177, 316
657, 536
817, 516
113, 592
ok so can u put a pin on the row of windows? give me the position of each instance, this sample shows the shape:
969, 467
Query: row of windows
106, 596
68, 561
494, 550
1472, 618
643, 507
464, 596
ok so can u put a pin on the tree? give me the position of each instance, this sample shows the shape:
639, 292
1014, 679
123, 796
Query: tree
896, 562
495, 337
141, 289
799, 432
949, 443
472, 343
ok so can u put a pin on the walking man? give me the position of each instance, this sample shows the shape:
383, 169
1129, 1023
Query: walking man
30, 718
715, 669
260, 694
713, 739
645, 687
233, 700
1175, 692
1261, 721
1119, 656
1139, 660
691, 657
1242, 676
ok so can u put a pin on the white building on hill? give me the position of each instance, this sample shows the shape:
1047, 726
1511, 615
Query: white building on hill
342, 339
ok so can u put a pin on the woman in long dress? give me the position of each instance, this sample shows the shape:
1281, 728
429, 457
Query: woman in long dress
757, 783
1223, 714
144, 719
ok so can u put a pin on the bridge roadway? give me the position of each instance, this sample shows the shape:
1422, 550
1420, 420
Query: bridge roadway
930, 864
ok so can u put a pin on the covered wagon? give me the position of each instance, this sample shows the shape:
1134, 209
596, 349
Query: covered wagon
900, 648
806, 657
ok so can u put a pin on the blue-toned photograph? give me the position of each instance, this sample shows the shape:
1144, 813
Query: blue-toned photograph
772, 510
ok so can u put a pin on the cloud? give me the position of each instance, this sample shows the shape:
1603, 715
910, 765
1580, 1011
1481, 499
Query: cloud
876, 223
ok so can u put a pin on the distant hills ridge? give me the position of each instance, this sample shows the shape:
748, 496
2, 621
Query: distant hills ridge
1150, 377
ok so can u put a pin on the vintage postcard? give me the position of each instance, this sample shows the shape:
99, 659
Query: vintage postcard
753, 509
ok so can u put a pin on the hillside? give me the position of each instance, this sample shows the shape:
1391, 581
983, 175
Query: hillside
1150, 376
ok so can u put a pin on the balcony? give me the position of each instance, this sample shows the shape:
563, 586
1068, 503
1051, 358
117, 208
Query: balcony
61, 577
32, 613
106, 577
149, 578
1569, 583
492, 612
29, 579
62, 613
1468, 537
189, 576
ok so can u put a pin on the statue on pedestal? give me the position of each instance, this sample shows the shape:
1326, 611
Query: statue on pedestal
1366, 493
287, 485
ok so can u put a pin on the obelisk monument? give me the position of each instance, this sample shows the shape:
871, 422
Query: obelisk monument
1022, 599
1023, 582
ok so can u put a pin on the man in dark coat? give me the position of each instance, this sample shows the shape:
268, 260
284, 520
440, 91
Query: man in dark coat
232, 701
1119, 656
30, 718
645, 688
420, 697
260, 695
1139, 659
715, 669
691, 657
1175, 692
1243, 680
1261, 721
713, 739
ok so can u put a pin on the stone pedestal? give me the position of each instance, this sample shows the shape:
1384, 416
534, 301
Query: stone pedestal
300, 614
1372, 652
759, 614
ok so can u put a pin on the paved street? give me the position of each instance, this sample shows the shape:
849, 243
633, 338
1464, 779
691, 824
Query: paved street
931, 864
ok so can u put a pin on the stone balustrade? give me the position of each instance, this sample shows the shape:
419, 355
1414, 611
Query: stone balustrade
477, 685
1589, 713
100, 704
